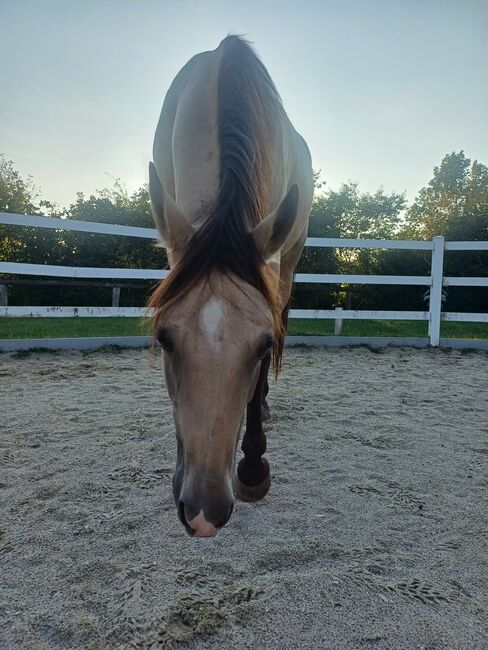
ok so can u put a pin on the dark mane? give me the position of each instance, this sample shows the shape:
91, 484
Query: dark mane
248, 107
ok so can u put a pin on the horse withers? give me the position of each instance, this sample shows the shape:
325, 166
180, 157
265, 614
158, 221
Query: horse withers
231, 189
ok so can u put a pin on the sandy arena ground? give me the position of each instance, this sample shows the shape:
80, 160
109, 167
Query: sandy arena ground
374, 533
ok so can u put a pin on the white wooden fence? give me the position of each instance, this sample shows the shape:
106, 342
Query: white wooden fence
435, 281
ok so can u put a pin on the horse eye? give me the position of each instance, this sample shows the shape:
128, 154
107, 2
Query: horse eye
164, 340
265, 346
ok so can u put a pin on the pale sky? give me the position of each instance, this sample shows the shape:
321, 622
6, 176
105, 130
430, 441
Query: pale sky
380, 89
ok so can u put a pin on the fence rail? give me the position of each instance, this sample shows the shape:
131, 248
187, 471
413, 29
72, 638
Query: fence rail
435, 281
336, 314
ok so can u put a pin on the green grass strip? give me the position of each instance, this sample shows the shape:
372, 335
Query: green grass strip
38, 328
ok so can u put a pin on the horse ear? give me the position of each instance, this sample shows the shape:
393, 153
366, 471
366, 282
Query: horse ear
172, 224
270, 235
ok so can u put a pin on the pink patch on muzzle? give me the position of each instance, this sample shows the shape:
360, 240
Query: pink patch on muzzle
202, 527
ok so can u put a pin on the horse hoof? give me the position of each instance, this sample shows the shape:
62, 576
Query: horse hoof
252, 492
246, 492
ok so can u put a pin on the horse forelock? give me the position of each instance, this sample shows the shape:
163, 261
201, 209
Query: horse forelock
247, 104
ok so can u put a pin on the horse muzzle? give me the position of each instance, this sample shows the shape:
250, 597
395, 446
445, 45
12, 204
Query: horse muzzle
204, 520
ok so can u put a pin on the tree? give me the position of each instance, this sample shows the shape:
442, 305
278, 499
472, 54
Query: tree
19, 196
454, 203
72, 248
16, 194
113, 205
347, 213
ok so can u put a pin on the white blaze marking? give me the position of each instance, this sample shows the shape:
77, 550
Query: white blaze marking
211, 318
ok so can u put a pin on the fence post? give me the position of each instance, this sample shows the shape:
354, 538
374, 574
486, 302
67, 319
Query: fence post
435, 302
115, 296
3, 295
338, 323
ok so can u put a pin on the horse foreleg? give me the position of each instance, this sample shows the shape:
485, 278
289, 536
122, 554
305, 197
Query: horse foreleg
264, 404
265, 407
253, 475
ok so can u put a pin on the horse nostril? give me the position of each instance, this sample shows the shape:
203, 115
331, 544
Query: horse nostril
182, 518
181, 512
193, 526
224, 521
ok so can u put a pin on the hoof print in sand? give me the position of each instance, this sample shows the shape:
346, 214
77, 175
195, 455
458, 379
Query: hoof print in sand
396, 494
5, 545
414, 588
6, 457
130, 623
135, 475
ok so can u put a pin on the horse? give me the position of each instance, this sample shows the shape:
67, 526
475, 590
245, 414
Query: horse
231, 188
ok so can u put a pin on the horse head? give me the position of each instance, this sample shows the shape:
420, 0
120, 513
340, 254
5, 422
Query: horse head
218, 333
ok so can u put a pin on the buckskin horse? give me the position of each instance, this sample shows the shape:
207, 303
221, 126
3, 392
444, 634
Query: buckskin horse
231, 189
